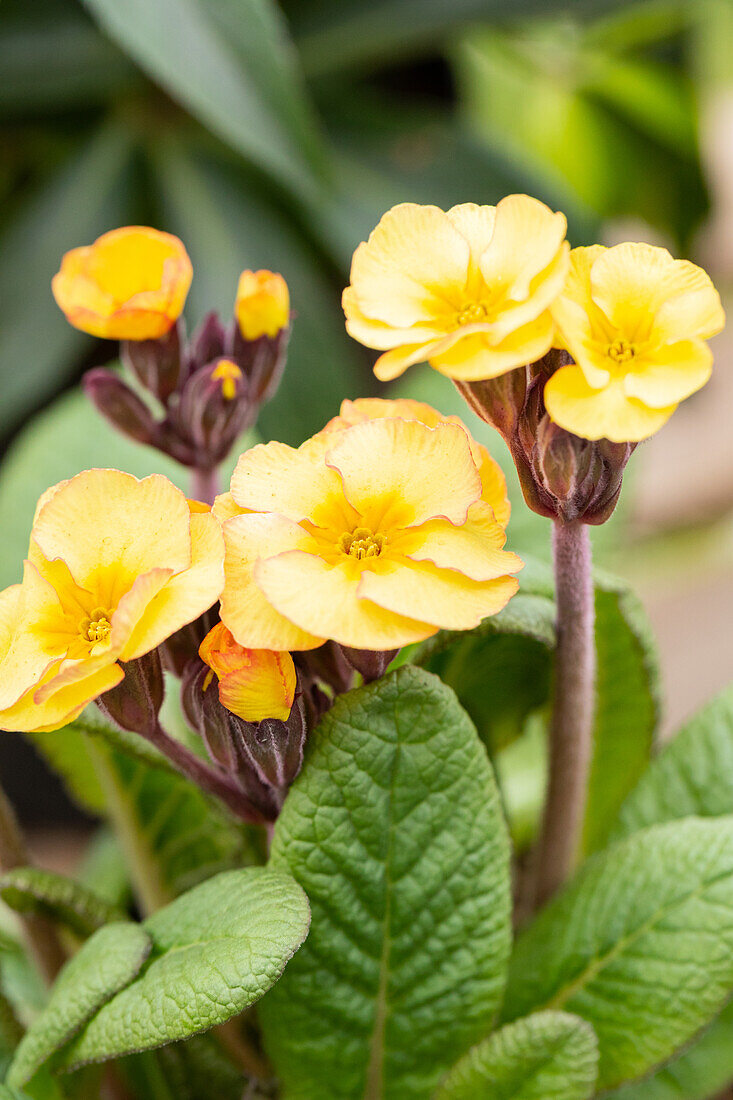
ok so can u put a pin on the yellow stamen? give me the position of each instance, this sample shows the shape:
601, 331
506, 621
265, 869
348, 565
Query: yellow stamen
621, 351
472, 313
229, 374
361, 543
97, 627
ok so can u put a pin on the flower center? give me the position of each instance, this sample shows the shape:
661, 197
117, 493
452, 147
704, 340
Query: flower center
97, 627
361, 543
229, 374
621, 351
472, 313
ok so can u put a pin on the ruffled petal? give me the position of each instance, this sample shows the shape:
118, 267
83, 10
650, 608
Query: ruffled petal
297, 484
676, 371
474, 549
526, 239
474, 358
600, 414
262, 688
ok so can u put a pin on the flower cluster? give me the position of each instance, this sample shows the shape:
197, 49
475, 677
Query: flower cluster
197, 398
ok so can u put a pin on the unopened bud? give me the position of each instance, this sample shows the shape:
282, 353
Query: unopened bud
214, 409
120, 405
262, 306
156, 363
370, 663
274, 748
134, 704
498, 401
207, 343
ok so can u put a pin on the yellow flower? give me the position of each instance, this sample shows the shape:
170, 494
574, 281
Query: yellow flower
131, 284
374, 536
634, 320
262, 307
253, 683
115, 566
468, 290
493, 481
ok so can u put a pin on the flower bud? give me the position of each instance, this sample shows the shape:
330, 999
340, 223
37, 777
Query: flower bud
370, 663
262, 306
562, 475
131, 284
156, 363
207, 343
120, 405
214, 409
134, 704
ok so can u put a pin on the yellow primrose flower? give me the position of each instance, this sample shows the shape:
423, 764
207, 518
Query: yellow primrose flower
262, 307
115, 566
493, 482
468, 290
253, 683
634, 320
374, 536
131, 284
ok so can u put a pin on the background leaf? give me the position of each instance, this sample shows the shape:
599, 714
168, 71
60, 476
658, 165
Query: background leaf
640, 945
36, 890
395, 832
217, 949
548, 1056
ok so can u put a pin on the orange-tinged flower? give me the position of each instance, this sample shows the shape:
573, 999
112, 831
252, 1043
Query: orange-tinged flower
131, 284
634, 320
262, 307
115, 566
253, 683
468, 290
375, 408
374, 536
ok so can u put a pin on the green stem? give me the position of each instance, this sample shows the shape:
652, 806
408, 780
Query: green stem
571, 727
148, 886
40, 933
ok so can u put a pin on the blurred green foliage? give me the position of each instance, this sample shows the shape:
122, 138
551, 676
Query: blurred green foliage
275, 136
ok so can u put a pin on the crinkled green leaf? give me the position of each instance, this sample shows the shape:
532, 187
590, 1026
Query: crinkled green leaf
216, 950
547, 1056
395, 832
693, 774
36, 890
640, 945
105, 964
701, 1071
192, 1070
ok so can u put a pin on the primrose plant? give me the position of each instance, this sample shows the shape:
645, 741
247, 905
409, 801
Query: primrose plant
289, 698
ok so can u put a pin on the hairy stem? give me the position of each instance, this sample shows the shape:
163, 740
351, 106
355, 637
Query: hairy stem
40, 933
205, 484
210, 779
571, 728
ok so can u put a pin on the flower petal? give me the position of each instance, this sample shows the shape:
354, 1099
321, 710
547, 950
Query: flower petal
474, 358
23, 662
444, 597
527, 238
106, 522
325, 598
600, 414
249, 615
676, 371
63, 706
474, 549
264, 688
413, 268
400, 472
694, 310
378, 334
273, 477
187, 594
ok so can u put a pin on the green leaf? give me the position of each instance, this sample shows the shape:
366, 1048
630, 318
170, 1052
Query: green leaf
182, 47
693, 773
640, 945
701, 1071
37, 345
35, 890
548, 1056
185, 1071
105, 964
627, 705
217, 949
395, 832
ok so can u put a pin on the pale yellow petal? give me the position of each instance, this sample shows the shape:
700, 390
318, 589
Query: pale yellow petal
476, 224
444, 597
23, 661
105, 520
412, 269
273, 477
63, 706
600, 414
253, 621
263, 688
187, 594
400, 472
693, 310
526, 239
493, 484
474, 549
325, 598
676, 371
394, 363
378, 334
474, 358
225, 507
132, 608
